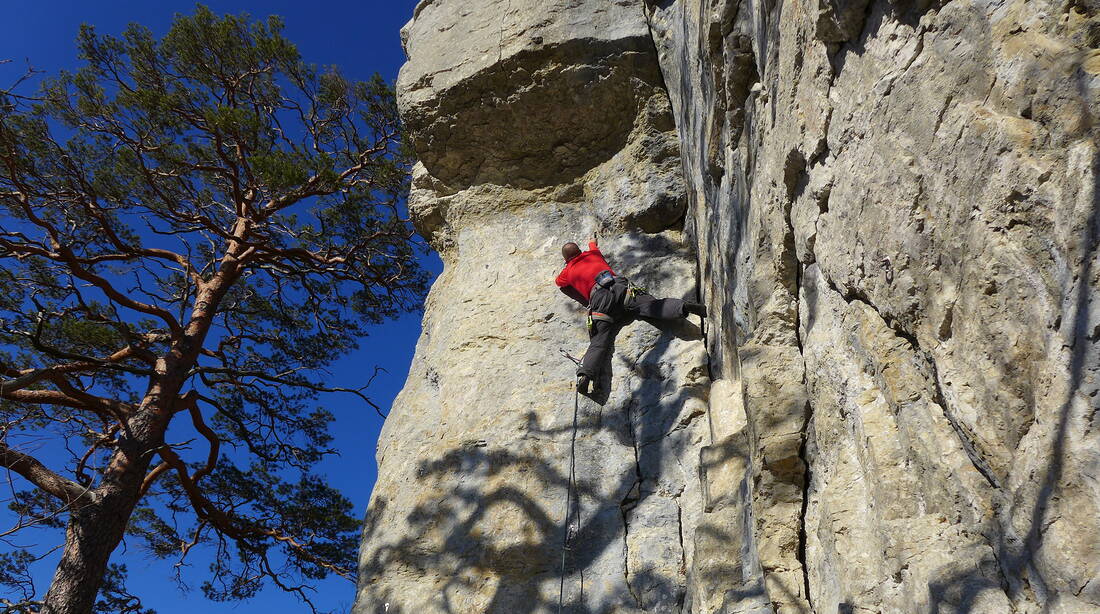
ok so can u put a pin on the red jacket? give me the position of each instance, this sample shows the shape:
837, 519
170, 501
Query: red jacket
579, 274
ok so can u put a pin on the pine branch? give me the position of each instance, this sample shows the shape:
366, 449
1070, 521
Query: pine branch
36, 473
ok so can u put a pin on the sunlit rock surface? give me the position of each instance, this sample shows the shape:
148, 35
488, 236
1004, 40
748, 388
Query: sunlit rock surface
526, 145
891, 210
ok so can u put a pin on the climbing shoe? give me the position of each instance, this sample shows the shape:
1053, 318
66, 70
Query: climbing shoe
583, 383
698, 309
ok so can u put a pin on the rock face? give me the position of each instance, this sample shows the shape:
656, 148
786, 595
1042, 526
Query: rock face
891, 210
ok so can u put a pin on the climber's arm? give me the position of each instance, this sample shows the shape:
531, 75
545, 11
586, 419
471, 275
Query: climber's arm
574, 294
567, 288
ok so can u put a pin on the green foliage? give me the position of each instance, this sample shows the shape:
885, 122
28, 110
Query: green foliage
15, 576
113, 596
210, 200
36, 508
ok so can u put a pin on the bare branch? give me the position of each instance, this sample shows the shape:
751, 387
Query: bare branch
36, 473
236, 374
190, 402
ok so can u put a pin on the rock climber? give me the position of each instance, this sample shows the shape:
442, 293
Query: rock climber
612, 303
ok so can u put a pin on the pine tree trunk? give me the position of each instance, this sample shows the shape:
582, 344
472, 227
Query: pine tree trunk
91, 536
96, 528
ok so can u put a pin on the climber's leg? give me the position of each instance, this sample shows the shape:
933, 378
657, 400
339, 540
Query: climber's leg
659, 308
698, 309
599, 349
666, 308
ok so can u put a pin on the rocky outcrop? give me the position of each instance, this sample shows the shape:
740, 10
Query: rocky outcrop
538, 125
895, 206
891, 210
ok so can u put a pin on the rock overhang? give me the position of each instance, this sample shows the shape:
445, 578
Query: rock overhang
483, 102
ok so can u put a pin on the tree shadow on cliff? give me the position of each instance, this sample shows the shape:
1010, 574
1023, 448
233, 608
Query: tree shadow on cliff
495, 531
460, 479
1016, 556
1083, 359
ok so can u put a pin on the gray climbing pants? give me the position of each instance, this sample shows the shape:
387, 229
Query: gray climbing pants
622, 307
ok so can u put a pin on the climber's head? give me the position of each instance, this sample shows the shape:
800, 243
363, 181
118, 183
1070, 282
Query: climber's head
570, 251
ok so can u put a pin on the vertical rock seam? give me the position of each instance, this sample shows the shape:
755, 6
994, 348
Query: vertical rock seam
891, 212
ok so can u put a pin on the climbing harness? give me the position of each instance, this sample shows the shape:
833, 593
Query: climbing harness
594, 316
569, 490
604, 280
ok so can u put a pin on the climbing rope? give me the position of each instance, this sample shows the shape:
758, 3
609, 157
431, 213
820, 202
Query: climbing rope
569, 490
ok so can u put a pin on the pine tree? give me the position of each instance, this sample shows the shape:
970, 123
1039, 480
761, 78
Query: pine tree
193, 227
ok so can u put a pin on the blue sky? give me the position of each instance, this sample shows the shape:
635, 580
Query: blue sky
361, 38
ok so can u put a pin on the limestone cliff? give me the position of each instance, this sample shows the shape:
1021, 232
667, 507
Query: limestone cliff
890, 209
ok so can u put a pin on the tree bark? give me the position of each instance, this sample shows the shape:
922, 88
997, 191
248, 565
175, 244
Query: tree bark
93, 533
96, 528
